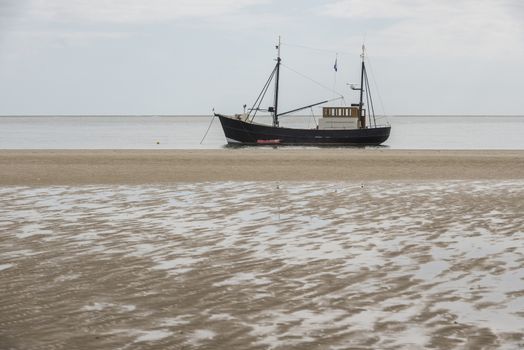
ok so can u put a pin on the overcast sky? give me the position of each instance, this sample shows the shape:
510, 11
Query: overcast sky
189, 56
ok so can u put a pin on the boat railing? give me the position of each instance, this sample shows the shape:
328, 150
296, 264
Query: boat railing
347, 112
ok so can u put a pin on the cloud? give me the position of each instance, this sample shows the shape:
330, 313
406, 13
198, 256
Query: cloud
427, 27
366, 9
125, 11
10, 9
79, 37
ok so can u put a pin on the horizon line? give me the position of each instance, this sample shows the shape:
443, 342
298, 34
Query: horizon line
207, 115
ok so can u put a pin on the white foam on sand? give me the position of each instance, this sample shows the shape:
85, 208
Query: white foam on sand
182, 264
243, 278
221, 317
201, 336
68, 277
6, 266
97, 306
175, 321
12, 254
151, 336
306, 325
103, 306
32, 230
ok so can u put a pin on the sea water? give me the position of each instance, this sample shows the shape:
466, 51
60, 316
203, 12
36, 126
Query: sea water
186, 132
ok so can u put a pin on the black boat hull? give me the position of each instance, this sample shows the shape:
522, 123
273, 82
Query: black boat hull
241, 132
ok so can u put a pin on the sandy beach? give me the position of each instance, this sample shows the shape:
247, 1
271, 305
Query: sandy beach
262, 249
76, 167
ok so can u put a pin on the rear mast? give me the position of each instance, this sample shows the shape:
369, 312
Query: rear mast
275, 106
362, 119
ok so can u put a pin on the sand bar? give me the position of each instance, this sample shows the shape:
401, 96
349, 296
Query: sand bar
76, 167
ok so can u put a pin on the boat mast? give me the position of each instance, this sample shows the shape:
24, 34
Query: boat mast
362, 119
275, 106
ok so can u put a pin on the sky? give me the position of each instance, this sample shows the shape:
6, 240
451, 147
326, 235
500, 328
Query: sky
188, 57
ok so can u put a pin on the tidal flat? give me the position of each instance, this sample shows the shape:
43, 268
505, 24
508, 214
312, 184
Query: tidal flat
263, 265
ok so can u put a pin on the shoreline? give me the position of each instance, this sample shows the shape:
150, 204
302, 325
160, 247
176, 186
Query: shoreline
83, 167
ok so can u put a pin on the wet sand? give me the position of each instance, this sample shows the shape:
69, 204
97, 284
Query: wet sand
77, 167
263, 265
261, 249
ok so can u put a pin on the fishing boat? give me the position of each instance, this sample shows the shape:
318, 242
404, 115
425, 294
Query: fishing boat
352, 126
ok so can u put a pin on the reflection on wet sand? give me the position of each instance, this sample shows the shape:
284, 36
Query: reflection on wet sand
255, 265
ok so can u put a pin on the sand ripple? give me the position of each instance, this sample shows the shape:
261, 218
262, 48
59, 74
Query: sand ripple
263, 266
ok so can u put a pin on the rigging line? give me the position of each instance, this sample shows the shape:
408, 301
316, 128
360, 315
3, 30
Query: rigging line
312, 80
209, 127
370, 98
313, 115
260, 102
260, 98
262, 93
367, 100
376, 85
372, 106
310, 106
336, 98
